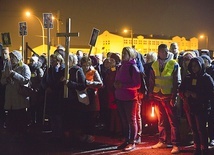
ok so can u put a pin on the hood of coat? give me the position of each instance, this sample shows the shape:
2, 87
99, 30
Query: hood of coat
200, 62
17, 54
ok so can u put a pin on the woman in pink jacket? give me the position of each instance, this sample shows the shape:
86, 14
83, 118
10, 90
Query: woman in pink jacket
127, 82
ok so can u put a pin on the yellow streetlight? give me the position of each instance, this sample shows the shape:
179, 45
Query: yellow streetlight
28, 14
131, 32
205, 37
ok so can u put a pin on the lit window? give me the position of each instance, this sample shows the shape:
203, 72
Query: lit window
153, 42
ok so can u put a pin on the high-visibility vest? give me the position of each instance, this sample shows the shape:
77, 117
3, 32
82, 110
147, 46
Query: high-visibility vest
164, 79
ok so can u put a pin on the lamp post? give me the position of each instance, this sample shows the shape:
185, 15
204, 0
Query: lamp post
57, 28
207, 41
131, 33
28, 14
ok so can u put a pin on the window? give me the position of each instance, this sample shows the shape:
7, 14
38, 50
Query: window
153, 42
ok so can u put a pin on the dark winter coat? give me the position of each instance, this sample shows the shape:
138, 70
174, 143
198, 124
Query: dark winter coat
76, 82
201, 84
54, 86
109, 84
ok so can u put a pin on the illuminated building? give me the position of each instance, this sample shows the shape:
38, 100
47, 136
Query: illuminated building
112, 42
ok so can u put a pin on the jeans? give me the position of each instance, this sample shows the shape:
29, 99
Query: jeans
139, 118
167, 121
127, 111
197, 123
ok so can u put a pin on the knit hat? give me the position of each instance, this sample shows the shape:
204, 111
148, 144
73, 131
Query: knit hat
17, 54
115, 57
206, 57
189, 55
61, 47
35, 58
61, 52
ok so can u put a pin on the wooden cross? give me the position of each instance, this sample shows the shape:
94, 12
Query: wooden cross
67, 36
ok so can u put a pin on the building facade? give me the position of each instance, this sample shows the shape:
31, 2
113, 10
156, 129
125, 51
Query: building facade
111, 42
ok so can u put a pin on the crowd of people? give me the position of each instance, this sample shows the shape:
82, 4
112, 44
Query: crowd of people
118, 88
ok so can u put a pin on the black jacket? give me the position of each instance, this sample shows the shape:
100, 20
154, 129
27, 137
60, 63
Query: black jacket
201, 84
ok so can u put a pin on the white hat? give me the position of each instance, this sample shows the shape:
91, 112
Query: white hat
35, 58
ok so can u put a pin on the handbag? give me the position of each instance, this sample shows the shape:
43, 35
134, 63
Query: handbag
82, 94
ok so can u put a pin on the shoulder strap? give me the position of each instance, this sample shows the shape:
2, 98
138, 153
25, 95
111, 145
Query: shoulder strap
77, 74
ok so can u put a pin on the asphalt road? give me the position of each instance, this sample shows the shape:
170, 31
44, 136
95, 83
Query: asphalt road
38, 143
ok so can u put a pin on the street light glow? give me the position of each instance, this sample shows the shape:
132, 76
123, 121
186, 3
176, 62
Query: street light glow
202, 36
125, 30
28, 14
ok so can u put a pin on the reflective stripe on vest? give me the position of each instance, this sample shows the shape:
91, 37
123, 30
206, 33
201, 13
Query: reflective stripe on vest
164, 79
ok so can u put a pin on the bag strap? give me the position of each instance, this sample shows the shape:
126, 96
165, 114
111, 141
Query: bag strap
77, 74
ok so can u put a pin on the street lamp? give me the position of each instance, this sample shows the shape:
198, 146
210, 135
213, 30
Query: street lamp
205, 37
131, 32
28, 14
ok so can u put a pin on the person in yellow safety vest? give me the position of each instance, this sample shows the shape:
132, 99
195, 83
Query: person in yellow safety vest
164, 87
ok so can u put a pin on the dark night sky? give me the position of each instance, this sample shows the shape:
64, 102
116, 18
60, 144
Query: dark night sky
185, 18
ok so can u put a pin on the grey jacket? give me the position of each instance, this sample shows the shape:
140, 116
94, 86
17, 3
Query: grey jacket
21, 76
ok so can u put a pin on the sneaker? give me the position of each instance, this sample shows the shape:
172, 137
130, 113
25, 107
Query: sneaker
212, 143
129, 147
138, 140
159, 145
123, 145
175, 150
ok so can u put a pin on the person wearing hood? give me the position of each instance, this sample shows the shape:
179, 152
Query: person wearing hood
126, 93
164, 84
35, 83
16, 74
196, 90
210, 70
53, 84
